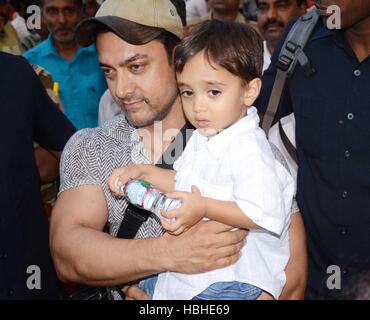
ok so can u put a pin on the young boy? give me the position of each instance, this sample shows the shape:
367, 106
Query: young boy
227, 171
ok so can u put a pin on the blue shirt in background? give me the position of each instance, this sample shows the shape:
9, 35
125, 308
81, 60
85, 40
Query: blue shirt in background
81, 81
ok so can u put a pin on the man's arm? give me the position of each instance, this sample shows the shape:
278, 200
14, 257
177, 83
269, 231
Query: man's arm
47, 163
296, 270
82, 253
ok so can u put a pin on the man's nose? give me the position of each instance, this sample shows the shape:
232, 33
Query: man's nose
125, 86
61, 17
272, 12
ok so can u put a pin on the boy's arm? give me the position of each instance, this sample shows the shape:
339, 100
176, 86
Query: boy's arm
194, 207
227, 212
163, 179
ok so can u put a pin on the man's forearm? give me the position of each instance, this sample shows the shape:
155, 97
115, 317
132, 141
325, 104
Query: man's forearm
92, 257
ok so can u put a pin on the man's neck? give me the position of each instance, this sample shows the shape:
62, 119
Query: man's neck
358, 37
224, 16
157, 137
66, 50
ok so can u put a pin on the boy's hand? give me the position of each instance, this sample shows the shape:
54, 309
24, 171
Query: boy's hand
192, 210
121, 176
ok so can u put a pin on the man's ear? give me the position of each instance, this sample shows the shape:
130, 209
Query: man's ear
252, 90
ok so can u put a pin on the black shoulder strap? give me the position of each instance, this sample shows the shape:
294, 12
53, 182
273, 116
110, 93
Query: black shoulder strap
291, 53
134, 216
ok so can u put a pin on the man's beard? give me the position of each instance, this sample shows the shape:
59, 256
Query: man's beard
157, 115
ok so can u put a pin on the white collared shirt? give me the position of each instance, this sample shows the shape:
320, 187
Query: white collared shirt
238, 165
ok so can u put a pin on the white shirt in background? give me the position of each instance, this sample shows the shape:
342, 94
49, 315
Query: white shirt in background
266, 57
108, 108
195, 9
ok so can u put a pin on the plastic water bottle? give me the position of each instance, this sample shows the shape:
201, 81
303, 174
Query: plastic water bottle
142, 194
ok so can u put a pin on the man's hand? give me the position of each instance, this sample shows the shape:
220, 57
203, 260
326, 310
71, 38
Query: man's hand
207, 246
296, 270
191, 211
134, 293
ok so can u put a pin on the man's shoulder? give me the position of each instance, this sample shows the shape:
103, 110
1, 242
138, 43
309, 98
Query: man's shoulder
14, 69
36, 51
92, 138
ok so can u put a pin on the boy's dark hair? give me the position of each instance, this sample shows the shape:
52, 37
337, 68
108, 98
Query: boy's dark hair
234, 46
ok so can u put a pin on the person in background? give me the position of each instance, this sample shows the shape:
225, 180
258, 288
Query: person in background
224, 10
195, 9
75, 69
332, 113
272, 17
9, 40
26, 268
90, 7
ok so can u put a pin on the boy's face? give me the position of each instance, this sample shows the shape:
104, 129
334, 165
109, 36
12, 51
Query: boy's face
213, 98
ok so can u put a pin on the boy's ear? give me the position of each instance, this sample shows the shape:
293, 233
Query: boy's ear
252, 90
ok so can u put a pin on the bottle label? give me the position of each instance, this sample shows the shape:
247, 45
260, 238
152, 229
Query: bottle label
136, 191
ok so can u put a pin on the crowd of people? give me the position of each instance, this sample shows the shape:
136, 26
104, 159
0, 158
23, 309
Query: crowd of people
172, 92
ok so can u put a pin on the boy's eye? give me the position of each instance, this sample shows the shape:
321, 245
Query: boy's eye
214, 93
186, 93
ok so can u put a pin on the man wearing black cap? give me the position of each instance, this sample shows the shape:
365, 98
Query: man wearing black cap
135, 39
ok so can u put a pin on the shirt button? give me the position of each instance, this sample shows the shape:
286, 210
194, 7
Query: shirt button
344, 194
11, 292
344, 271
340, 121
343, 232
350, 116
357, 73
347, 154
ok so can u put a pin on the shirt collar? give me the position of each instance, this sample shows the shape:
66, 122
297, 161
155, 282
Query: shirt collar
49, 49
239, 18
218, 144
321, 31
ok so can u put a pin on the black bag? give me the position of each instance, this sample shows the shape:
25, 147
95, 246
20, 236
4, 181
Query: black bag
279, 129
91, 293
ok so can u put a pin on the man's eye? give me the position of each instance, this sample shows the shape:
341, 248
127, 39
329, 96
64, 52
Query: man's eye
108, 72
214, 93
186, 93
262, 8
137, 67
52, 11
